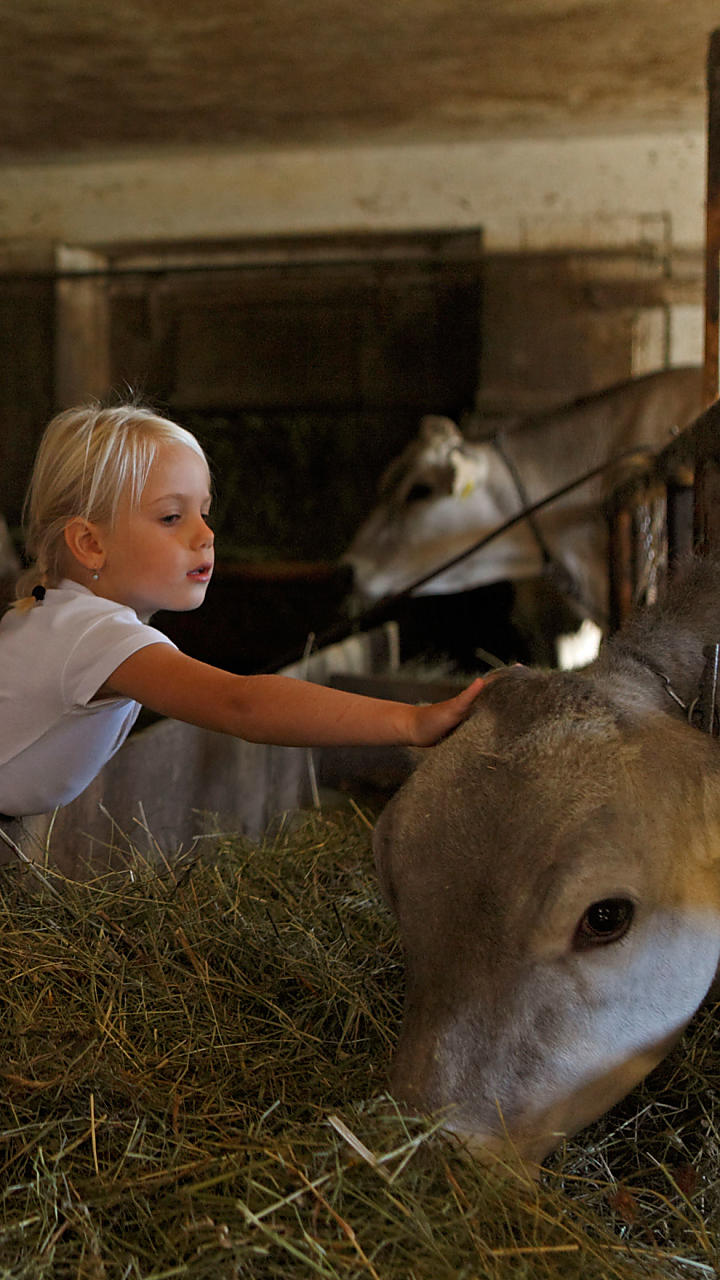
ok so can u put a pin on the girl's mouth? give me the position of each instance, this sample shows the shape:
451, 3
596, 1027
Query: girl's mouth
202, 573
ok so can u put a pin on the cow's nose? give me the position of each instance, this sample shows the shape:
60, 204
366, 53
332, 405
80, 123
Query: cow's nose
359, 573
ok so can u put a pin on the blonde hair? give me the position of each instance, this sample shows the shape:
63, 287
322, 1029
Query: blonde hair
89, 458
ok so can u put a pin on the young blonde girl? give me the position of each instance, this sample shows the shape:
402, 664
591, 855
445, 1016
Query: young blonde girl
117, 527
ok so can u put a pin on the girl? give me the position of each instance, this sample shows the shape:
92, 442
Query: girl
117, 528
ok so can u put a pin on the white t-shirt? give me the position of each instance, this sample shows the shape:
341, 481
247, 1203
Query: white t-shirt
53, 659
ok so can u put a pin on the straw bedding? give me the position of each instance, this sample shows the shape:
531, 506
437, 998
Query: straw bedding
193, 1084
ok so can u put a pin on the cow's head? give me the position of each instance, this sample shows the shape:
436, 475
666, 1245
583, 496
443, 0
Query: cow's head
553, 867
435, 499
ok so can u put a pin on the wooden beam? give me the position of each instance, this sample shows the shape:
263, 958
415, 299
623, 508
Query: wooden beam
82, 328
712, 226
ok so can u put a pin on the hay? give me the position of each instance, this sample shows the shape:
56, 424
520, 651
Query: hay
193, 1085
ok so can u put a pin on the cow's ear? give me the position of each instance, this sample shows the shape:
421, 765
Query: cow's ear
468, 472
436, 430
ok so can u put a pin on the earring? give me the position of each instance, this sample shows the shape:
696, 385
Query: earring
95, 575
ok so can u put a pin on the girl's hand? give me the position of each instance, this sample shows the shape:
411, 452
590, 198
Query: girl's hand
433, 722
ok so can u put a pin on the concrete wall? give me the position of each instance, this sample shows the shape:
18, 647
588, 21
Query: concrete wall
631, 204
527, 194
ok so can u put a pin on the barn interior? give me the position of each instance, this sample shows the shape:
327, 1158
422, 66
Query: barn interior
301, 227
298, 226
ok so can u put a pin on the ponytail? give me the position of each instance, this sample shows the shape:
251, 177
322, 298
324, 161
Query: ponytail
30, 589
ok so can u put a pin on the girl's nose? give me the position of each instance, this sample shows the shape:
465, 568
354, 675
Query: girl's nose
203, 536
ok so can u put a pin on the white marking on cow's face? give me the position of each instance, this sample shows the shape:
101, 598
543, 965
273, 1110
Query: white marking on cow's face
578, 648
598, 1025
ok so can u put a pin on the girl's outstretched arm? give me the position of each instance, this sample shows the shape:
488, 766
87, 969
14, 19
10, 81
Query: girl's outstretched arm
278, 709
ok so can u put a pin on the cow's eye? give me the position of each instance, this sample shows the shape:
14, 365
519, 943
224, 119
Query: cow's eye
419, 493
603, 922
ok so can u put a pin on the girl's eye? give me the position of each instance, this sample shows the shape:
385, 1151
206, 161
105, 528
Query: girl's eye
171, 519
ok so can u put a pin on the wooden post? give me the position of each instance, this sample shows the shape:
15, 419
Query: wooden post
82, 327
706, 530
707, 505
712, 221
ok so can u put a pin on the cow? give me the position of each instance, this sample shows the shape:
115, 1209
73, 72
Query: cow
554, 870
447, 490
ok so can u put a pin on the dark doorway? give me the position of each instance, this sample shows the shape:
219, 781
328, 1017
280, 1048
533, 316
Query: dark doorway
304, 365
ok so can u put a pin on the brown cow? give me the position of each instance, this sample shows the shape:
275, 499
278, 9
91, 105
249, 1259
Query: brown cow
554, 867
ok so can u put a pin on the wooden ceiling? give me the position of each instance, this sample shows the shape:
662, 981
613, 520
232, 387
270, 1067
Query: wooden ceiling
100, 77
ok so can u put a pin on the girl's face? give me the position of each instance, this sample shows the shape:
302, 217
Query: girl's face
160, 554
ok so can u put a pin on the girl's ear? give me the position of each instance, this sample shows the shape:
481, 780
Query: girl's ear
83, 540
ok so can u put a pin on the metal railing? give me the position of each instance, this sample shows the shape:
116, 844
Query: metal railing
661, 514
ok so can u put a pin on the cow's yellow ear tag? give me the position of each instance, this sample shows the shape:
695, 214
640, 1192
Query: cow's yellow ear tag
465, 474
